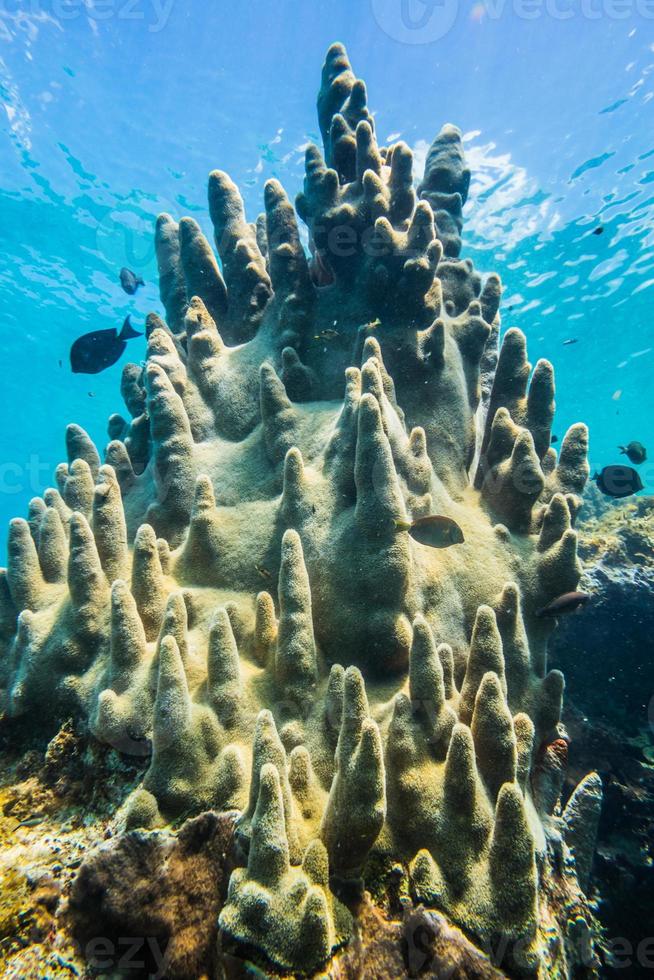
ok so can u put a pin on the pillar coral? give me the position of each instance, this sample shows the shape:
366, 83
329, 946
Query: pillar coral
228, 590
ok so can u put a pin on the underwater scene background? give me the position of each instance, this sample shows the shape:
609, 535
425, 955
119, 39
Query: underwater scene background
115, 111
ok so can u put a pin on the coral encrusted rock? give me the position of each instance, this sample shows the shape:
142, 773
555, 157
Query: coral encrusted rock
166, 891
228, 589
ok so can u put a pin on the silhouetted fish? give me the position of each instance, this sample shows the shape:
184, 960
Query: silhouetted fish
433, 531
618, 481
599, 230
570, 340
635, 452
100, 349
130, 281
569, 602
553, 440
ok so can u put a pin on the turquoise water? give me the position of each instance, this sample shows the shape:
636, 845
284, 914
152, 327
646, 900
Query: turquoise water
115, 111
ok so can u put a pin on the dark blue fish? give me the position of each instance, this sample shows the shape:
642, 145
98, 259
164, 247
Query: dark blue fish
569, 602
635, 452
618, 481
100, 349
598, 231
130, 281
433, 531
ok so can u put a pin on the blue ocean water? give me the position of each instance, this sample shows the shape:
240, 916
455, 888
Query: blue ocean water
115, 110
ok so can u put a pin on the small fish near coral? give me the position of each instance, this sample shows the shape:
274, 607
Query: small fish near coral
569, 602
33, 821
433, 531
635, 452
100, 349
618, 481
130, 281
328, 334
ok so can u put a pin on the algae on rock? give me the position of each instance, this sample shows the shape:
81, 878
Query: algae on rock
229, 589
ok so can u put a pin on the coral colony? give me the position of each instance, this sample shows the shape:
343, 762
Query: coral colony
229, 591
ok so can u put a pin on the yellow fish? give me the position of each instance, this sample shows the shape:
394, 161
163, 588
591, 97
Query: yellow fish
433, 531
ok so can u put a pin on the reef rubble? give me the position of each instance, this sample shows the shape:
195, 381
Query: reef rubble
225, 596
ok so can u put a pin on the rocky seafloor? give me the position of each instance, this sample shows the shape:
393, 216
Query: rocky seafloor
79, 897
